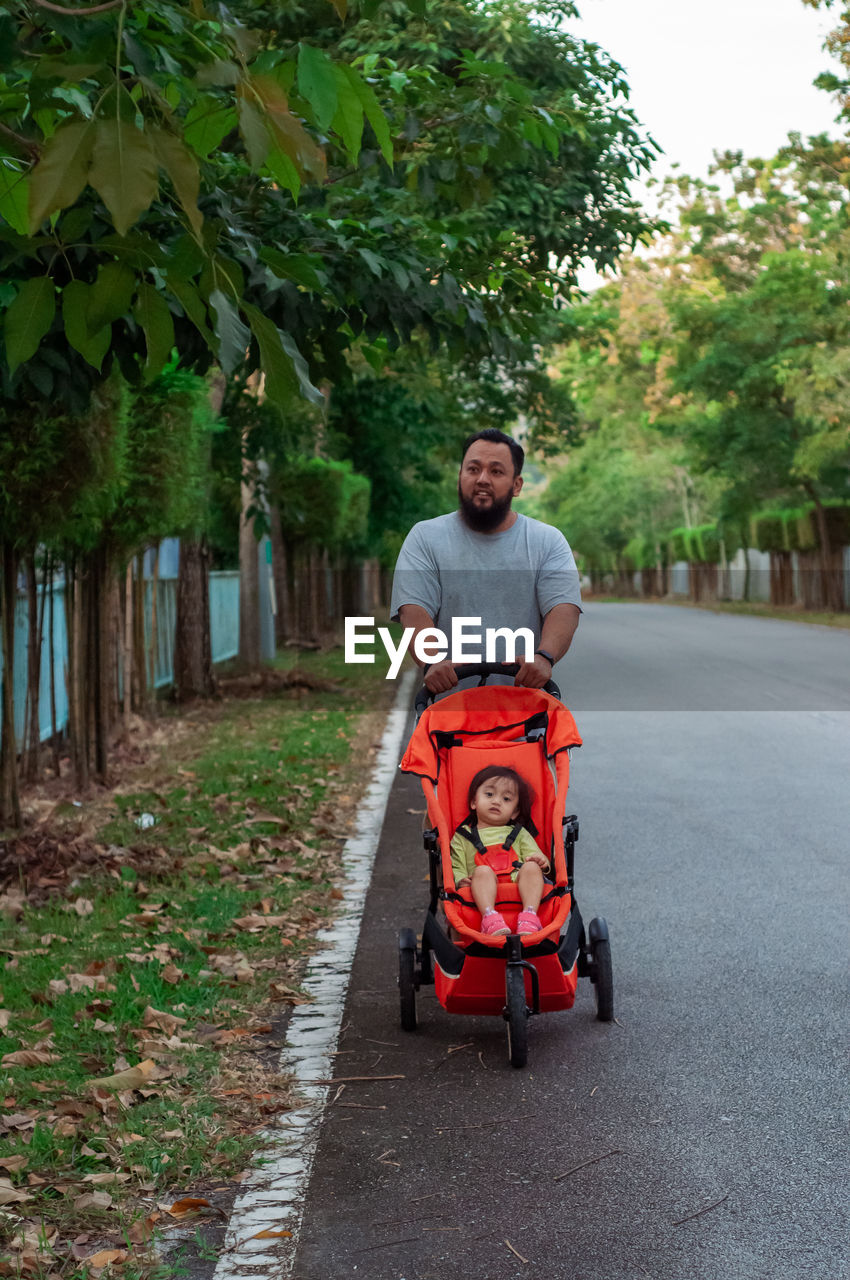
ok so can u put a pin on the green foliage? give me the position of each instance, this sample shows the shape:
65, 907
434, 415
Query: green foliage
474, 157
166, 474
61, 476
700, 545
796, 528
322, 502
723, 360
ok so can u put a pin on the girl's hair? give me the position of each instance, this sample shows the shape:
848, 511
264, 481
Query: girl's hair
525, 794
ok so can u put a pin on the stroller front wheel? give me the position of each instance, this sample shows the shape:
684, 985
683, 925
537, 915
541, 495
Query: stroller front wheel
516, 1015
407, 978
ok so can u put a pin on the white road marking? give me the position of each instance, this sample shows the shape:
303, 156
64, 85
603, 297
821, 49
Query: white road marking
273, 1197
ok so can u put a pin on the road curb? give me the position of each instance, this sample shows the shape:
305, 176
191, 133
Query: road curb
274, 1195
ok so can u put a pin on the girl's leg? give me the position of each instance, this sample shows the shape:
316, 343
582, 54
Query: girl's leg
530, 885
484, 886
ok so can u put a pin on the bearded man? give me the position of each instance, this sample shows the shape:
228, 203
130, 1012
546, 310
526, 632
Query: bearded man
486, 560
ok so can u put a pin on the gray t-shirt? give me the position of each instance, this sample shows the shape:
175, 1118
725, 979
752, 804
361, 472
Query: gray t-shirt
508, 579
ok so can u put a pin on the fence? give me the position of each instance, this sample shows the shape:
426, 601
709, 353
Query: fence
224, 628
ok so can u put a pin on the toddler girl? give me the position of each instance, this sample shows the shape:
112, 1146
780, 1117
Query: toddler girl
494, 841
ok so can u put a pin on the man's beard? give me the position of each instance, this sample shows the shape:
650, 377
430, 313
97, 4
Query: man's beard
483, 519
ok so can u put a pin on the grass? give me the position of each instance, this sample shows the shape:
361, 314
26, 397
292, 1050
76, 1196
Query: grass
174, 948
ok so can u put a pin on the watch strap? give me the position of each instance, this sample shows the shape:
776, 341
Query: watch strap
544, 654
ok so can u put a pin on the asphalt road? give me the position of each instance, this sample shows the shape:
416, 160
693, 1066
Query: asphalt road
710, 1120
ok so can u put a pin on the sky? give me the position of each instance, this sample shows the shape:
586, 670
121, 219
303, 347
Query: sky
727, 74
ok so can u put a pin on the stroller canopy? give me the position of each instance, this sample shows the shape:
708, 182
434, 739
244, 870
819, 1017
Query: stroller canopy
502, 715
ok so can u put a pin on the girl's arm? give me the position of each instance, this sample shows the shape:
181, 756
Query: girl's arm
460, 847
529, 850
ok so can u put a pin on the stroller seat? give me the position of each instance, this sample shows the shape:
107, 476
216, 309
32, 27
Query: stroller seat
529, 761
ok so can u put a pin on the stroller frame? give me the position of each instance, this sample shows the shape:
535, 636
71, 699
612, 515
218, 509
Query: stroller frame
540, 971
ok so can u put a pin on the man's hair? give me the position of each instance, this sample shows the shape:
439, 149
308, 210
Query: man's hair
525, 794
494, 436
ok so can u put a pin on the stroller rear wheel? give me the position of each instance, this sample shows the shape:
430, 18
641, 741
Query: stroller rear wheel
602, 972
407, 978
516, 1015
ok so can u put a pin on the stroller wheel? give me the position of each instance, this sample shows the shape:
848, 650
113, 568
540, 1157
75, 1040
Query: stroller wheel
407, 978
602, 972
516, 1015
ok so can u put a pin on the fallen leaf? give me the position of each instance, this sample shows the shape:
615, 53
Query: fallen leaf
10, 1194
14, 1163
20, 1120
166, 1022
93, 1200
280, 991
132, 1078
141, 1231
172, 974
269, 1234
105, 1258
104, 1179
28, 1058
189, 1204
261, 922
83, 907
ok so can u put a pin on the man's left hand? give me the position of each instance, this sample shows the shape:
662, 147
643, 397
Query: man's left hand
534, 674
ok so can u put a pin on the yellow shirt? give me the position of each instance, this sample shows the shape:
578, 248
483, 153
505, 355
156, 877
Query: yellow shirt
463, 850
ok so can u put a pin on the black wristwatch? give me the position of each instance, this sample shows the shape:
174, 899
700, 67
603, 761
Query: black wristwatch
545, 655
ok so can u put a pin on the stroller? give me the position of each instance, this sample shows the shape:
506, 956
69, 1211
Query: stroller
531, 731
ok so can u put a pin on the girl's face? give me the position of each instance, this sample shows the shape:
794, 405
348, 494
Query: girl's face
496, 802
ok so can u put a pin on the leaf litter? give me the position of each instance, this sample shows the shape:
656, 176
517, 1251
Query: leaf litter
123, 1037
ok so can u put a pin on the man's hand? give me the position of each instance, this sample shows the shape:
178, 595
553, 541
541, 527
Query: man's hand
534, 674
441, 677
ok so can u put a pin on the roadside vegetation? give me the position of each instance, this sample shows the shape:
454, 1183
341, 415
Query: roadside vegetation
153, 941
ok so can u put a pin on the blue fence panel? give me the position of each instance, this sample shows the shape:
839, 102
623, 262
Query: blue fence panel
224, 627
166, 625
60, 659
224, 614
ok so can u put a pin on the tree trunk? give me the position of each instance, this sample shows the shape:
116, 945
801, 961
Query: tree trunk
35, 634
249, 587
10, 803
283, 629
154, 638
49, 579
747, 575
831, 590
127, 659
99, 666
141, 684
193, 673
73, 677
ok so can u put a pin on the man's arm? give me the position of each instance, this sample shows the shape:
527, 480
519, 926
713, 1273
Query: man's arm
559, 627
441, 675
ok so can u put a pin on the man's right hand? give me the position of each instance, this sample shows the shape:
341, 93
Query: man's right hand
441, 677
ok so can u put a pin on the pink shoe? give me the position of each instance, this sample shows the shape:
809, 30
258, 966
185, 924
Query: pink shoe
528, 922
494, 925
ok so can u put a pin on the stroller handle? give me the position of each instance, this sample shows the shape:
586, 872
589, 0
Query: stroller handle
484, 670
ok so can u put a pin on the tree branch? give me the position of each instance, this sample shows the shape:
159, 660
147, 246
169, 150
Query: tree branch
26, 144
78, 13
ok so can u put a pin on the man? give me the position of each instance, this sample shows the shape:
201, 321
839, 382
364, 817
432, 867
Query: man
485, 560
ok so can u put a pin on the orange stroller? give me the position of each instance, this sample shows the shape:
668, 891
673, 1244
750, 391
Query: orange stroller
531, 731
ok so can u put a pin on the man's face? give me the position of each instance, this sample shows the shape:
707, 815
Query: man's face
486, 485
